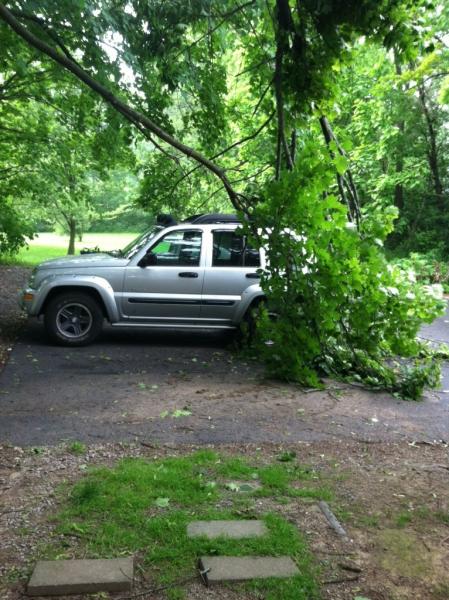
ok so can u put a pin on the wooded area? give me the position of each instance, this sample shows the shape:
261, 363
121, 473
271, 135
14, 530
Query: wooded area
325, 119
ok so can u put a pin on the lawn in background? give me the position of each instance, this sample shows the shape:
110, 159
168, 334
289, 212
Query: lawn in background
51, 245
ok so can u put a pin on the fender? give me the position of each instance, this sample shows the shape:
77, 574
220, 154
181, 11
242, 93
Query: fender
99, 284
249, 295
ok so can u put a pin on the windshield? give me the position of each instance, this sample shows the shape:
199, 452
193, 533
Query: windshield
133, 248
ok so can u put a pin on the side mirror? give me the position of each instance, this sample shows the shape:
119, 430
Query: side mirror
148, 260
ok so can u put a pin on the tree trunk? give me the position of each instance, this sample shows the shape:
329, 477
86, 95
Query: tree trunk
399, 167
72, 235
284, 22
432, 151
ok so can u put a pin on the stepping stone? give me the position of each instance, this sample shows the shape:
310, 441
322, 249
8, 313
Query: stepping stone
59, 577
229, 529
236, 568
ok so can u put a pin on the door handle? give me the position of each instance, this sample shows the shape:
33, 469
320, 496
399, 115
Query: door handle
190, 274
252, 276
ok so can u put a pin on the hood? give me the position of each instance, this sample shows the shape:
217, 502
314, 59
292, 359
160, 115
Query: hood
99, 259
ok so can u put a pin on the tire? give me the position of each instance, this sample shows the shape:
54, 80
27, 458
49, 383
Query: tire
73, 319
248, 327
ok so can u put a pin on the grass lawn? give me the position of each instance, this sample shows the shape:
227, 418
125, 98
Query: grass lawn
136, 500
142, 507
51, 245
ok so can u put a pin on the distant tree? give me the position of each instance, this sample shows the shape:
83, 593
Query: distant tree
54, 137
391, 114
114, 200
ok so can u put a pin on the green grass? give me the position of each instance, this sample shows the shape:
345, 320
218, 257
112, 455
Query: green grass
76, 448
51, 245
143, 507
421, 516
441, 592
32, 256
403, 519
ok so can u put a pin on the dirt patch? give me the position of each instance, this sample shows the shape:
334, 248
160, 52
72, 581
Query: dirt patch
12, 279
393, 500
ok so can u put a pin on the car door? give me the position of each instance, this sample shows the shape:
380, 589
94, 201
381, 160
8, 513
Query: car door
168, 290
231, 269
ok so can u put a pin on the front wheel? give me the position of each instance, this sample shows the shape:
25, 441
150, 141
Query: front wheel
73, 319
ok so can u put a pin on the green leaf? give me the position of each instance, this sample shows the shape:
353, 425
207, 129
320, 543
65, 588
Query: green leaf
234, 487
181, 412
162, 502
341, 164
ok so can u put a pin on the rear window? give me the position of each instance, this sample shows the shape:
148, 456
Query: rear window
231, 250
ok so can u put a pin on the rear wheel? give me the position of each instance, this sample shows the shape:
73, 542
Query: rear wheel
73, 319
248, 326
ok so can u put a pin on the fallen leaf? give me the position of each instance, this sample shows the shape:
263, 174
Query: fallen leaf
234, 487
286, 456
162, 502
181, 412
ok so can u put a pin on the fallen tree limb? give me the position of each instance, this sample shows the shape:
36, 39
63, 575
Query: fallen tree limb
332, 519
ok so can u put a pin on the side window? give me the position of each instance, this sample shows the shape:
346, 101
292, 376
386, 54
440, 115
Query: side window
230, 251
178, 248
251, 257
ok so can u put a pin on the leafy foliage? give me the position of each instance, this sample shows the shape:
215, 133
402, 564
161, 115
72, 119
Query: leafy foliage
427, 268
13, 228
391, 113
342, 310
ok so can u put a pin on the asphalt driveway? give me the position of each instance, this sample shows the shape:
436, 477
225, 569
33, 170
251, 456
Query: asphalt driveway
180, 387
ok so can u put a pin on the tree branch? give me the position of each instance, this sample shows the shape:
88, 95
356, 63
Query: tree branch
238, 143
129, 113
251, 136
253, 67
281, 43
264, 93
224, 18
51, 34
352, 202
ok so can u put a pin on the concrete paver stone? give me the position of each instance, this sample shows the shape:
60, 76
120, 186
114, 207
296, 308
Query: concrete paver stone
59, 577
236, 568
229, 529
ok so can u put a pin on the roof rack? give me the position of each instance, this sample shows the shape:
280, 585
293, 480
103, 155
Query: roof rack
212, 218
165, 220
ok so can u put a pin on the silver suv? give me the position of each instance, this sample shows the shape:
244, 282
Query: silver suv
198, 274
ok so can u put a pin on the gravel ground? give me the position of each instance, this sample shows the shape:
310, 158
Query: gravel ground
12, 279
